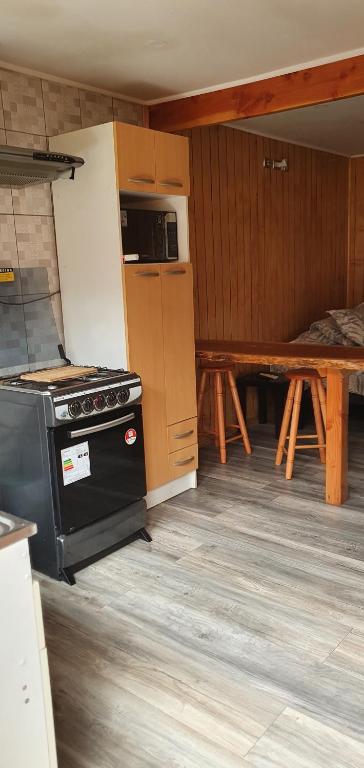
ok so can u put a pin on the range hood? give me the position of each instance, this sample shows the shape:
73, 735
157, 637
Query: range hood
22, 167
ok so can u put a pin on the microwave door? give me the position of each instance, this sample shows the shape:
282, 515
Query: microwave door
137, 234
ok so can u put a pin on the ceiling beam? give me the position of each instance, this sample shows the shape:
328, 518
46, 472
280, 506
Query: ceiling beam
316, 85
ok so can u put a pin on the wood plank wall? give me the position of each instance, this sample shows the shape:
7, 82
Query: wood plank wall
356, 233
269, 249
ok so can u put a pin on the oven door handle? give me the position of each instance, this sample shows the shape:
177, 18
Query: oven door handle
101, 427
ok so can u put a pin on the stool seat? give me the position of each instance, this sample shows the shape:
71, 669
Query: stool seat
290, 420
304, 374
220, 429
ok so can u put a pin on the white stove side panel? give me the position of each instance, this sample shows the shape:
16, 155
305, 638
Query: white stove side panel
87, 218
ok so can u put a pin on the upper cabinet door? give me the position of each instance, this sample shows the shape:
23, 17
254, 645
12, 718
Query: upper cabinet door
172, 164
179, 341
135, 158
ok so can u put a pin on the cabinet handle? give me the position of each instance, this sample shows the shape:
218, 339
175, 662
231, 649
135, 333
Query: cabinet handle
170, 183
147, 274
141, 180
183, 434
184, 461
175, 272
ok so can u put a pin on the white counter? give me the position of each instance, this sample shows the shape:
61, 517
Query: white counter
26, 716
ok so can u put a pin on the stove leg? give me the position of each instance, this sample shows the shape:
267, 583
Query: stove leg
68, 576
143, 534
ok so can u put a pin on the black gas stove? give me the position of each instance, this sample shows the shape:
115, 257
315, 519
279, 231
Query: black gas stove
72, 461
76, 398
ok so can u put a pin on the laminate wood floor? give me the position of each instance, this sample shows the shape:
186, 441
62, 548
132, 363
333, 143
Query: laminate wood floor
235, 639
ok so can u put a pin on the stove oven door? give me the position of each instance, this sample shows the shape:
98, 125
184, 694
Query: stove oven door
98, 466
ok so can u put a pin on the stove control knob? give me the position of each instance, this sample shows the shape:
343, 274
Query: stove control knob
87, 405
111, 399
75, 409
123, 395
99, 402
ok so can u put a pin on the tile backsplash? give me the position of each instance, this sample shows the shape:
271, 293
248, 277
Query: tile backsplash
31, 110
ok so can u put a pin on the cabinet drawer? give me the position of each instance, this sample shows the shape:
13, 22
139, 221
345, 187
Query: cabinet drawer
182, 434
183, 461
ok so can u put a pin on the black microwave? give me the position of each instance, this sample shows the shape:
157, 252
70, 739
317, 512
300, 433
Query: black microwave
149, 235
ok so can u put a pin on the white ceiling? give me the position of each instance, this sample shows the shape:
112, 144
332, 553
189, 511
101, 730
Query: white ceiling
336, 127
153, 49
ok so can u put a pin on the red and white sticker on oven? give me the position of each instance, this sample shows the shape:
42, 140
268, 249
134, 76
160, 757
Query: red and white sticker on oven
130, 436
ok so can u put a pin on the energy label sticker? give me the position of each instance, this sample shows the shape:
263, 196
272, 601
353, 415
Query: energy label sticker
75, 463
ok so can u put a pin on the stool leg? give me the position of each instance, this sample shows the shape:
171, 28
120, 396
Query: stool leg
219, 394
239, 412
285, 422
201, 393
322, 399
216, 437
294, 428
318, 419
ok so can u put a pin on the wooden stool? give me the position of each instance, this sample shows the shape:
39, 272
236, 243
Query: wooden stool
219, 432
292, 413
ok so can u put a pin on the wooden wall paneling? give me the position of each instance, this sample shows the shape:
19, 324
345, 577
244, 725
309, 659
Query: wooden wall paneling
351, 233
224, 161
199, 234
192, 234
240, 300
244, 270
206, 223
233, 186
355, 291
268, 248
286, 301
254, 241
208, 235
266, 233
216, 230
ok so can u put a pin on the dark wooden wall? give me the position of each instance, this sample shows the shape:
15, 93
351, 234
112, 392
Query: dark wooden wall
269, 249
356, 232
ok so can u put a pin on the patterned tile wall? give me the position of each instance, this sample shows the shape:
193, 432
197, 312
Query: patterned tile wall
31, 110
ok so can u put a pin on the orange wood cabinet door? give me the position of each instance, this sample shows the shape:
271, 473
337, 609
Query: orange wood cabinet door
179, 344
145, 342
135, 158
172, 164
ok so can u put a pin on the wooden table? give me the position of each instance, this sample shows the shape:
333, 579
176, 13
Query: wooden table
336, 363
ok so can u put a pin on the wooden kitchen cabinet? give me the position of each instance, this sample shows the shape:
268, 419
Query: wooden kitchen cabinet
159, 316
146, 356
172, 164
180, 378
135, 158
151, 161
144, 311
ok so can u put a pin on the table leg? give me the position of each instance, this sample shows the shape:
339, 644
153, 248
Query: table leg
337, 436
